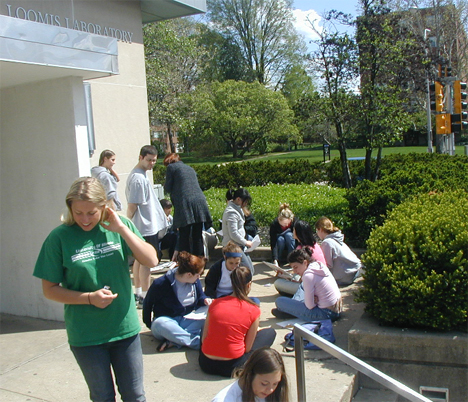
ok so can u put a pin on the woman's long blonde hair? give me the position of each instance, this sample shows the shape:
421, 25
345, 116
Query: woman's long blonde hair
84, 189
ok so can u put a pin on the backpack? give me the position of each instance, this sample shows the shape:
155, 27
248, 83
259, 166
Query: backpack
323, 328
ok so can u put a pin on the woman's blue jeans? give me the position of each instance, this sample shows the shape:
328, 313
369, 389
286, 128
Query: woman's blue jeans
298, 309
178, 330
125, 358
285, 241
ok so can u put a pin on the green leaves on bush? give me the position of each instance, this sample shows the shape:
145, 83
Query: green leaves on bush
308, 202
402, 176
417, 264
248, 174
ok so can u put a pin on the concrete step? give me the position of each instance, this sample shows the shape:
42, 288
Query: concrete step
374, 395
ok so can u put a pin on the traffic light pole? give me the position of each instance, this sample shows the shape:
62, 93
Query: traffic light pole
429, 119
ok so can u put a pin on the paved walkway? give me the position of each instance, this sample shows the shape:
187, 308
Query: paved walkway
37, 365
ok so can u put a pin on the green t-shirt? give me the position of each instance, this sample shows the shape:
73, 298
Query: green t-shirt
88, 261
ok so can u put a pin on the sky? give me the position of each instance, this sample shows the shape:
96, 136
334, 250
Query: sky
314, 9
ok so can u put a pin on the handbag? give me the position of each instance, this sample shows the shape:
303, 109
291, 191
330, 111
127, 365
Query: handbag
323, 328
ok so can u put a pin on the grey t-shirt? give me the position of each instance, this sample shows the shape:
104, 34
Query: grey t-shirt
149, 217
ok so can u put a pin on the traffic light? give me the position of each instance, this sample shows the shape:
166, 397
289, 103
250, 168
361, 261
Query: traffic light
437, 96
443, 125
459, 120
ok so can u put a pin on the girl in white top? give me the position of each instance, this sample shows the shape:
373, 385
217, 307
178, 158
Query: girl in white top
233, 223
262, 379
108, 177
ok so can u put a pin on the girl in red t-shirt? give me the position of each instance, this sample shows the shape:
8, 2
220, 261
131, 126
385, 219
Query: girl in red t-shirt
231, 328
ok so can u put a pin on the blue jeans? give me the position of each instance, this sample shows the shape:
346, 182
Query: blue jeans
285, 241
178, 330
298, 309
126, 360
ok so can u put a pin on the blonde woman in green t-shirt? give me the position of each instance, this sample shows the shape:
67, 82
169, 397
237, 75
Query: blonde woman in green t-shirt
83, 264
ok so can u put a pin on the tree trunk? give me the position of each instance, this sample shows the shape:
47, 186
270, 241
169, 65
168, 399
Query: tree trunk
343, 156
368, 164
169, 136
377, 164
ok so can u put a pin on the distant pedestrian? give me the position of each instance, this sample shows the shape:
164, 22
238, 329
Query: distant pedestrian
191, 213
106, 174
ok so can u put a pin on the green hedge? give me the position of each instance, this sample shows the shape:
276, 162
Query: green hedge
247, 174
402, 177
416, 263
307, 201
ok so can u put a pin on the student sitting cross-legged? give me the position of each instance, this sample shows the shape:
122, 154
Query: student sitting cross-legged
231, 328
170, 298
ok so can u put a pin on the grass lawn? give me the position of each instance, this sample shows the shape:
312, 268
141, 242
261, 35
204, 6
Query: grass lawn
312, 154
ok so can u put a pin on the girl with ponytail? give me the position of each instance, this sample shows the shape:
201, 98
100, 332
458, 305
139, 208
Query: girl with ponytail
231, 328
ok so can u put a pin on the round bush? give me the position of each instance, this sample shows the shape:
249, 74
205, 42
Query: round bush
416, 263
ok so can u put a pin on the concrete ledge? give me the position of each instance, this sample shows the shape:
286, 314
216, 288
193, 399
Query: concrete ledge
414, 357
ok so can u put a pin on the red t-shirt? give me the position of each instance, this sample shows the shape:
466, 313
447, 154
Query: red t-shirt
229, 321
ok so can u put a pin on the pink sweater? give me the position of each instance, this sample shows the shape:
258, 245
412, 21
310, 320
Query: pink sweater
317, 253
318, 281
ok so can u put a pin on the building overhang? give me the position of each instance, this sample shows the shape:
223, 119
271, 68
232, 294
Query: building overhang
158, 10
31, 51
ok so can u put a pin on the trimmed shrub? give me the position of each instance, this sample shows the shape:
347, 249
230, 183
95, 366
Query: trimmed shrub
308, 202
416, 263
403, 176
247, 174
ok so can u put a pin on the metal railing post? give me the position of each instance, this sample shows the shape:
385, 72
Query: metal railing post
300, 333
300, 370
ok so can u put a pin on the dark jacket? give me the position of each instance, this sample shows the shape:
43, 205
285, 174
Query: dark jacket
161, 299
250, 225
275, 231
212, 279
189, 202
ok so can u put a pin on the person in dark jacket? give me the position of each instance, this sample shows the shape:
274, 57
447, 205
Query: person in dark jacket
191, 211
281, 233
170, 298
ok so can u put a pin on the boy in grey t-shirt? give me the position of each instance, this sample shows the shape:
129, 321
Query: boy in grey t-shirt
146, 213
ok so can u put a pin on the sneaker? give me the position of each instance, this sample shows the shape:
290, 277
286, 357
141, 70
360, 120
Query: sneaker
281, 314
139, 301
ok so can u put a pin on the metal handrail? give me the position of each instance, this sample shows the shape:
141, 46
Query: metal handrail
300, 333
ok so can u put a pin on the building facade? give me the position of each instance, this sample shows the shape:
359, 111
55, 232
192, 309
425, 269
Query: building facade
72, 83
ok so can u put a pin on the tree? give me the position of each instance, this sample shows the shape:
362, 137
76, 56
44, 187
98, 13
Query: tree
336, 63
263, 30
239, 115
387, 51
224, 59
174, 64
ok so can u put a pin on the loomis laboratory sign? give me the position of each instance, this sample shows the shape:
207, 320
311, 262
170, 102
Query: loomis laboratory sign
66, 22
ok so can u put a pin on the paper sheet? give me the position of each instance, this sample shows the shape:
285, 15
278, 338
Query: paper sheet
279, 269
198, 314
290, 323
255, 244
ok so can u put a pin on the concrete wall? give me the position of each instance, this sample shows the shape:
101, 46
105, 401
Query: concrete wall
44, 147
414, 357
39, 160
